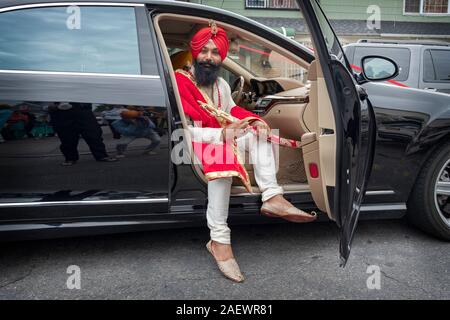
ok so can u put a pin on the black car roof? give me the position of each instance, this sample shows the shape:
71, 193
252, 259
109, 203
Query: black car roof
9, 3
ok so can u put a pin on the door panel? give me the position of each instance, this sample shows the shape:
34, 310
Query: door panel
92, 95
311, 156
327, 141
345, 146
42, 133
322, 153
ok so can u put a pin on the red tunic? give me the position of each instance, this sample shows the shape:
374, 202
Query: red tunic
218, 160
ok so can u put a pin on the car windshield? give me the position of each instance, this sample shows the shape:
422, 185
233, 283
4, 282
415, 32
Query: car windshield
263, 62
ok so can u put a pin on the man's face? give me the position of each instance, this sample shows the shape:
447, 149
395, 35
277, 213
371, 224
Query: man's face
207, 65
209, 53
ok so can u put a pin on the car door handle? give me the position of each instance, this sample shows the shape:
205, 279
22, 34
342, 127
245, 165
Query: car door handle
326, 132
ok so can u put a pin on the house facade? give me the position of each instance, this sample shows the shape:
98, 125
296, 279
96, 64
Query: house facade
352, 19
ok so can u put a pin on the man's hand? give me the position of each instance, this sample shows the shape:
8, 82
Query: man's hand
261, 127
235, 130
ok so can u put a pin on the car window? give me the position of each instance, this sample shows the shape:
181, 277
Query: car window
436, 64
331, 40
401, 56
228, 75
93, 39
262, 61
429, 73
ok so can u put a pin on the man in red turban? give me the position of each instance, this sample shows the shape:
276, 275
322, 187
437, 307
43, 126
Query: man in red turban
217, 144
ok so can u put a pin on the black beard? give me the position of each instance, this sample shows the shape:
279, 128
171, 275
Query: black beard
206, 73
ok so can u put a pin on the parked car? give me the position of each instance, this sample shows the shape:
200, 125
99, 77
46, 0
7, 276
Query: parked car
423, 65
117, 55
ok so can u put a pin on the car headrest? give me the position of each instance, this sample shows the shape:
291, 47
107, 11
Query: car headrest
181, 60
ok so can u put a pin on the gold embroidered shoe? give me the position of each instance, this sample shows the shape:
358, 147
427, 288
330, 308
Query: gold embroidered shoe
229, 268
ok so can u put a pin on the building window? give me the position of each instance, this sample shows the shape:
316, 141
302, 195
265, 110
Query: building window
412, 6
435, 6
271, 4
426, 7
255, 3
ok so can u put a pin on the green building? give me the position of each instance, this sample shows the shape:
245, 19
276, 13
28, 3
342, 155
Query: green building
352, 19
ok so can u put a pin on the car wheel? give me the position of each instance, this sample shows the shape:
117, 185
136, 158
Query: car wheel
429, 203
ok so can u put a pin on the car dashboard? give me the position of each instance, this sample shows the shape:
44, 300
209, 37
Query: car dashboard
268, 93
281, 102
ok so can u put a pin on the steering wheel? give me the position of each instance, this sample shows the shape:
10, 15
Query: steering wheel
237, 89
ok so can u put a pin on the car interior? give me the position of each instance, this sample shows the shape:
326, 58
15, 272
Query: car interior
289, 93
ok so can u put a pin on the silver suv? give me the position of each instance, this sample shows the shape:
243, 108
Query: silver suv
423, 65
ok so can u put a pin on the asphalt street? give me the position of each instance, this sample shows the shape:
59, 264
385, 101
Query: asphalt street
280, 261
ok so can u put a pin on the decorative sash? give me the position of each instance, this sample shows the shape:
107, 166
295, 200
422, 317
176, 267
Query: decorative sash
224, 118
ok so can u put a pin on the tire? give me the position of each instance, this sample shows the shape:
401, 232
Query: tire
425, 211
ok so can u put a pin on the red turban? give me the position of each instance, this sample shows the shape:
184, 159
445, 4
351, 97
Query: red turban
214, 33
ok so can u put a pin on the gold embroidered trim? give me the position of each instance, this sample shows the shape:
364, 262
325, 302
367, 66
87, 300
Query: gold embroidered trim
245, 180
228, 174
204, 94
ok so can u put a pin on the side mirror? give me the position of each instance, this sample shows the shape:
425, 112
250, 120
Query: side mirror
376, 68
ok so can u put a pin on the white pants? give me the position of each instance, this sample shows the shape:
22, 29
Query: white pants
261, 155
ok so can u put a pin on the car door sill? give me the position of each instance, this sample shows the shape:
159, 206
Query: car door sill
288, 189
298, 188
80, 203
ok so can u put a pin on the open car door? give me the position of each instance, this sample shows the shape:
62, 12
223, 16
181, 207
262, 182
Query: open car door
339, 165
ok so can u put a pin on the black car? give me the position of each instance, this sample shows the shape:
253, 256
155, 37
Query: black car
70, 71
